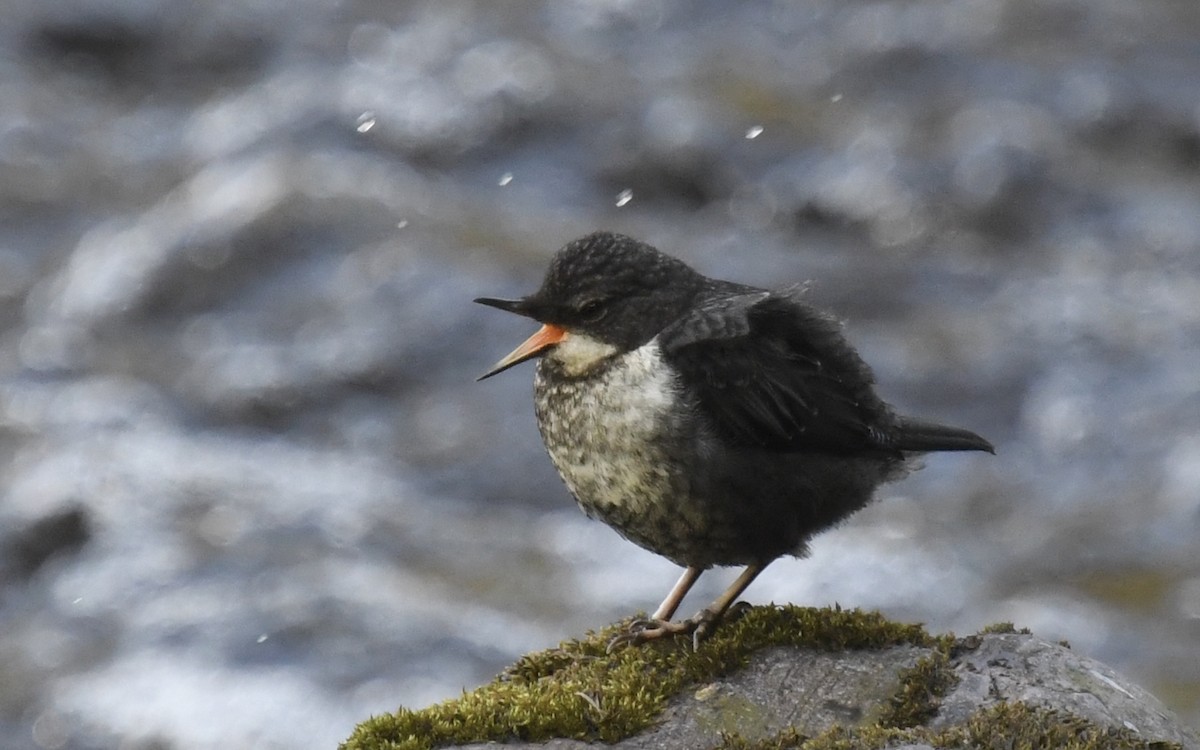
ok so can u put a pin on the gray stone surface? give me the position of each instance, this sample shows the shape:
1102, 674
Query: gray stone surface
1025, 669
812, 691
781, 687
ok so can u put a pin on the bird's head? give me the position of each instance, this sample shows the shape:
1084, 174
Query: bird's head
603, 295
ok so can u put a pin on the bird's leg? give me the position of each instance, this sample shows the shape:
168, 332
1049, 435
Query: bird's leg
666, 610
701, 625
706, 620
662, 616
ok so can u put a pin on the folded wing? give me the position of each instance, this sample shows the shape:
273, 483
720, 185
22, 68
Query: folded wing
773, 373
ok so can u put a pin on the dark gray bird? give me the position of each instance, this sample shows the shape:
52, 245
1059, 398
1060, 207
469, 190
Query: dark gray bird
709, 422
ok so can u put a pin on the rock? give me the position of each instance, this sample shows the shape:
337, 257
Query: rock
24, 551
1025, 669
875, 685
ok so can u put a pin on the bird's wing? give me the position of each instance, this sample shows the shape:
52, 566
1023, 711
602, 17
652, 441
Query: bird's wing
771, 372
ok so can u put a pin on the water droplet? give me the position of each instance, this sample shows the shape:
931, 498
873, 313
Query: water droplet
505, 178
366, 121
754, 132
624, 197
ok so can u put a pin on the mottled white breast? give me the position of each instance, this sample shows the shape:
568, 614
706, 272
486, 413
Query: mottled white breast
603, 429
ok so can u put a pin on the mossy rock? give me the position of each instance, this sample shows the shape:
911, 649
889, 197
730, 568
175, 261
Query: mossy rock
792, 677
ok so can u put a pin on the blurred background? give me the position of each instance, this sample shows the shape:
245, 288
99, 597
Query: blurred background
250, 492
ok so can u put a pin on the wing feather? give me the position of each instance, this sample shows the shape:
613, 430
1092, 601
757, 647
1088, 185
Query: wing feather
771, 372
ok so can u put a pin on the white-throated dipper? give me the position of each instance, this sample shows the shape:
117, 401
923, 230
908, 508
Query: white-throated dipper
709, 422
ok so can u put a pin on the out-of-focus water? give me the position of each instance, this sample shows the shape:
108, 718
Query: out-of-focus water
251, 493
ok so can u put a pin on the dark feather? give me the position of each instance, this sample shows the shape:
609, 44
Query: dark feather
772, 372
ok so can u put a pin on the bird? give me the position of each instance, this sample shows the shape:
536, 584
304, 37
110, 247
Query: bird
710, 422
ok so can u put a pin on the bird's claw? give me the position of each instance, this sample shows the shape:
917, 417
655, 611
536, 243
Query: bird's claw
640, 631
703, 625
648, 629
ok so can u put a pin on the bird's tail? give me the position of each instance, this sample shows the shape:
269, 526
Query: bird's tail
916, 435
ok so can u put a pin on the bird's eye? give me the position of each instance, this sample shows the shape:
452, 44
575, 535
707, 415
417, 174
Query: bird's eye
592, 310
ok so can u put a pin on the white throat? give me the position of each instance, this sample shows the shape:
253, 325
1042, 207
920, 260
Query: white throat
578, 353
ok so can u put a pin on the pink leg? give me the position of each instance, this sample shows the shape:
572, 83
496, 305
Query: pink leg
666, 610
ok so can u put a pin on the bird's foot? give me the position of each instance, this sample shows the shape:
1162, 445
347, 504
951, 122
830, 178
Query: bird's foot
648, 629
645, 629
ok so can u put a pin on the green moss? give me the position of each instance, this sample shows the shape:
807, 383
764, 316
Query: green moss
789, 739
1002, 726
577, 690
922, 687
1020, 726
1005, 628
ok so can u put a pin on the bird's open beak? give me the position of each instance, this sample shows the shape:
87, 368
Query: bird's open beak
518, 306
545, 337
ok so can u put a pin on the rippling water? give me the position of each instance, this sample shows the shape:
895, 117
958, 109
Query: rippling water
251, 494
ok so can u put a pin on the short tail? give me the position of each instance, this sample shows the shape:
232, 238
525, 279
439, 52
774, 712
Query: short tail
915, 435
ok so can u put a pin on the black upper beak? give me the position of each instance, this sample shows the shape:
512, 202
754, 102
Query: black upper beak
545, 337
518, 306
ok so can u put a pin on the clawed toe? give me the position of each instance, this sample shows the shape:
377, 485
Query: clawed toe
642, 630
649, 629
703, 625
